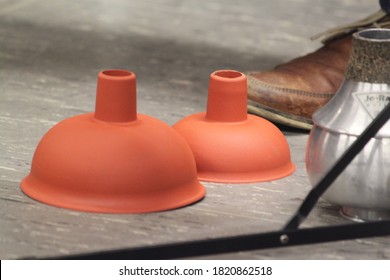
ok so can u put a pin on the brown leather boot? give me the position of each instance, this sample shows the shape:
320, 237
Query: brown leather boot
291, 92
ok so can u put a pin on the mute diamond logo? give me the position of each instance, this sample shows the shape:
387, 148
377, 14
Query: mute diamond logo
373, 102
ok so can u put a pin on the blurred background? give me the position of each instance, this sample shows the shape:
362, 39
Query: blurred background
50, 55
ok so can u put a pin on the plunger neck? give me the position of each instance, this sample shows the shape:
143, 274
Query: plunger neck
116, 96
227, 97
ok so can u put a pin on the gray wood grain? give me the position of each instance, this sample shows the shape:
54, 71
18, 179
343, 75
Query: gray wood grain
50, 54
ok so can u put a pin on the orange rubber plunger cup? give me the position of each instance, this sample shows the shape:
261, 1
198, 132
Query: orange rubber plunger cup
229, 145
113, 160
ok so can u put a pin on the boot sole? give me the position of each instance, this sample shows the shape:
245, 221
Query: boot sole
278, 116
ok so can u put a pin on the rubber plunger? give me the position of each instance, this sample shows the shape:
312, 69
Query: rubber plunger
229, 145
114, 160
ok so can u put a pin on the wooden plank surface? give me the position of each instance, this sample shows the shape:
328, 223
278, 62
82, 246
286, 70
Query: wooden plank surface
50, 54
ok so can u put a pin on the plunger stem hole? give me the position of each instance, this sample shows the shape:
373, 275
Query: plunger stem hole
228, 74
117, 73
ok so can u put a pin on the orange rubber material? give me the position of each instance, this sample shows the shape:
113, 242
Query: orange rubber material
229, 145
114, 160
